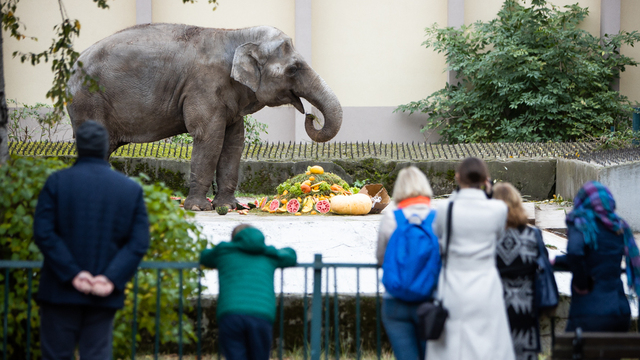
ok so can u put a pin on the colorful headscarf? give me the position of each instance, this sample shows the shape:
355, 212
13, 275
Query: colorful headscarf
594, 201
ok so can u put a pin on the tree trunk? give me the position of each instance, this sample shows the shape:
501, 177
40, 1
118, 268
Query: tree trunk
4, 114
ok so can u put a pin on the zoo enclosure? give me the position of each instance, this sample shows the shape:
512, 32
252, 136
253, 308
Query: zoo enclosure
283, 151
316, 335
294, 151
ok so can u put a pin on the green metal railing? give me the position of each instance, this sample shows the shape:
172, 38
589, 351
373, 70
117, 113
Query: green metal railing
314, 340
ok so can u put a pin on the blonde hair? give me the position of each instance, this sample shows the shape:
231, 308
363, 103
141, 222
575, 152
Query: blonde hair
511, 196
411, 182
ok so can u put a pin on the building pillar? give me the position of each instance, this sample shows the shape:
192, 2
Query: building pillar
609, 25
143, 12
304, 45
455, 18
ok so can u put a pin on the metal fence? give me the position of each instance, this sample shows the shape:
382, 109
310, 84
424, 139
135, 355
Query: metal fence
282, 151
316, 336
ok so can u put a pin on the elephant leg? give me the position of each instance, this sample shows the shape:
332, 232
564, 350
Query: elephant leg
207, 145
229, 164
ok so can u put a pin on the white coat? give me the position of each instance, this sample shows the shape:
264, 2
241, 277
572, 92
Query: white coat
477, 327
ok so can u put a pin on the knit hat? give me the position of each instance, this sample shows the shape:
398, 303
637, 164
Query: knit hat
92, 140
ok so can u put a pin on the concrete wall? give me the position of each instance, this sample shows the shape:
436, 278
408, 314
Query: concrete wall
622, 180
29, 84
369, 53
630, 79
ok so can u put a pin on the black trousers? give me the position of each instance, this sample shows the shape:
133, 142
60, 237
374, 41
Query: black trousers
245, 337
63, 327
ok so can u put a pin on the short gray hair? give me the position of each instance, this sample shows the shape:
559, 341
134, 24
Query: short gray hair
411, 182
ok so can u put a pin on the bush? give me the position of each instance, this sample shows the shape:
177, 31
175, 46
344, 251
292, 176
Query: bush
529, 75
252, 131
21, 180
172, 239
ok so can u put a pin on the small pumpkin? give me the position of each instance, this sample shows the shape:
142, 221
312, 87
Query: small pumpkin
359, 204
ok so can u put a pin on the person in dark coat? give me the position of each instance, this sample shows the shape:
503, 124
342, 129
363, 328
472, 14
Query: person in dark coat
597, 240
91, 226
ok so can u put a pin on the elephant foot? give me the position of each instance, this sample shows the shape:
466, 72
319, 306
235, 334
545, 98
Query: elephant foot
229, 201
197, 204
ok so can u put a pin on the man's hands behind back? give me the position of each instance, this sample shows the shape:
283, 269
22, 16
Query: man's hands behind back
88, 284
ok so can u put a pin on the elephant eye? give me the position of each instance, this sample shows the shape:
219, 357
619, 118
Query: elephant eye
291, 70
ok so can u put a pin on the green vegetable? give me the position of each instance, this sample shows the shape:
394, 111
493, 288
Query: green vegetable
324, 187
282, 187
295, 190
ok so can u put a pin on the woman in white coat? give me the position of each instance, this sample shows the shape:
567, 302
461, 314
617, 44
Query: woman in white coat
469, 284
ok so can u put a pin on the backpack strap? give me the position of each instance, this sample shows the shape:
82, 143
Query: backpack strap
428, 221
401, 220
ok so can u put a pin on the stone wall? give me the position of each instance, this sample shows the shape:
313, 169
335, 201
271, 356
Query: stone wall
533, 177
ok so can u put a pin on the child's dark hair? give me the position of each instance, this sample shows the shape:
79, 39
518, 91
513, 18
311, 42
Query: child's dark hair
239, 228
473, 172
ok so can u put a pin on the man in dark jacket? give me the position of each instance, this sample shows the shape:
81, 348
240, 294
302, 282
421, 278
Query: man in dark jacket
91, 225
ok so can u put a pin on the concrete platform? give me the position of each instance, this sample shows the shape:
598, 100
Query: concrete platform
340, 239
348, 239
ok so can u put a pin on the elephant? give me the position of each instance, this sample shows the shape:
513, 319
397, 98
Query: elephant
161, 80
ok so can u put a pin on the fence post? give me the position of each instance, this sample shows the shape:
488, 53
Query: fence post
316, 308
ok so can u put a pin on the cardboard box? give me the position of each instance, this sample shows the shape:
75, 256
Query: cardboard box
379, 197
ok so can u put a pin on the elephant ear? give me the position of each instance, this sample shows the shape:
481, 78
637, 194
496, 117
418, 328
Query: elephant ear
246, 65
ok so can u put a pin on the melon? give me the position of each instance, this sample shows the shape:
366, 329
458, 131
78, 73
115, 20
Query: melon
274, 205
293, 206
323, 206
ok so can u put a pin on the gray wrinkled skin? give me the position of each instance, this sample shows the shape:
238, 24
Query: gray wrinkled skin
162, 80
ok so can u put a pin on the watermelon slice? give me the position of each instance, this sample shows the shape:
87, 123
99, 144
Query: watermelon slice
293, 206
323, 206
274, 205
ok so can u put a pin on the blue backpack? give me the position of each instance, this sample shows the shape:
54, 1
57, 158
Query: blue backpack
412, 260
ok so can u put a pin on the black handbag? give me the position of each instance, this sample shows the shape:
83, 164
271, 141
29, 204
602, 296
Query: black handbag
547, 295
432, 315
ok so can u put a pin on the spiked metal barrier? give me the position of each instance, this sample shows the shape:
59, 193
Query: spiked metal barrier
291, 151
609, 157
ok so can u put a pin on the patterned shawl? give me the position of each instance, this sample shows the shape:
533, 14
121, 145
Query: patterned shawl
593, 201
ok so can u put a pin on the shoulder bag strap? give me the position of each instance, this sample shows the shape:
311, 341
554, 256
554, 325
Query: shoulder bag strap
446, 247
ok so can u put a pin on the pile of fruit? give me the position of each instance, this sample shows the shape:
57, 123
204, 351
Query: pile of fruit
308, 193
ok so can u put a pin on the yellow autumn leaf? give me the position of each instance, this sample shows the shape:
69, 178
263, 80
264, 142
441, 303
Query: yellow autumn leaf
77, 24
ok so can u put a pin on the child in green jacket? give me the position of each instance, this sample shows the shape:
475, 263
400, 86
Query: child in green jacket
246, 301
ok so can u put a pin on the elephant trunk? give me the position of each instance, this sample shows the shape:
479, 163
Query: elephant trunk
322, 97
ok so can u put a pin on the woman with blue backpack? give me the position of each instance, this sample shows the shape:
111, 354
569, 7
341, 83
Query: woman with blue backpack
409, 255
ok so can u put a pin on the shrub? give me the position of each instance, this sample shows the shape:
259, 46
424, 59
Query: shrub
21, 180
252, 130
529, 75
173, 237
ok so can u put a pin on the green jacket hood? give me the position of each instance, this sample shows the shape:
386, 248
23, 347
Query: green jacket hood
250, 240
